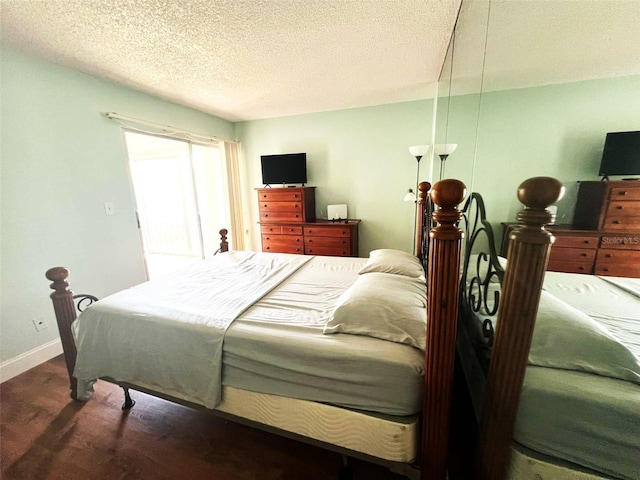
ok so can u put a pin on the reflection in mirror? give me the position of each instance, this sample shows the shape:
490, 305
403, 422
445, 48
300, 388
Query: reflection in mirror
532, 89
458, 93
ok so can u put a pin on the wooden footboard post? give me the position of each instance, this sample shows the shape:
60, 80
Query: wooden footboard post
528, 254
65, 311
224, 245
443, 283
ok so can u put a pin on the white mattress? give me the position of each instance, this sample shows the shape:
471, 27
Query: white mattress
277, 347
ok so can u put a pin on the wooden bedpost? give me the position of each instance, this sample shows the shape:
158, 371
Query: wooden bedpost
65, 311
422, 212
528, 254
443, 284
224, 245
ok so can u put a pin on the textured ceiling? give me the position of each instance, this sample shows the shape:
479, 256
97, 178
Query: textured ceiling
245, 59
252, 59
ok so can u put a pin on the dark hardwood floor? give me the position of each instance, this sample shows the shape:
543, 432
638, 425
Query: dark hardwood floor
46, 435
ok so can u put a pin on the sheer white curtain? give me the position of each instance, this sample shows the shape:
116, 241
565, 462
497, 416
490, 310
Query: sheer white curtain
236, 228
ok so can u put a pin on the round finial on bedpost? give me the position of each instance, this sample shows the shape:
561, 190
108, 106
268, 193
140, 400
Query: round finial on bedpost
448, 194
423, 191
537, 194
58, 275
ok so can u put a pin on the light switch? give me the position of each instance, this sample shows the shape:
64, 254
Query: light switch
109, 208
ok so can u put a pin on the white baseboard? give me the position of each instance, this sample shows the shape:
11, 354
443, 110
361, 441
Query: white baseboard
30, 359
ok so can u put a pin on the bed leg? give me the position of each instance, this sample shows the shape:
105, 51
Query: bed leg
128, 401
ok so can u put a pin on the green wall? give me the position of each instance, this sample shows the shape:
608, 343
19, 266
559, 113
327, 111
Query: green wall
358, 156
555, 130
61, 160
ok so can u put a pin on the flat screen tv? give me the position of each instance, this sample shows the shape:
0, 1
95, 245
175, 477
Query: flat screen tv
621, 154
288, 168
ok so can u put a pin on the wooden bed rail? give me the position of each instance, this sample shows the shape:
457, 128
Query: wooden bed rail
528, 254
443, 275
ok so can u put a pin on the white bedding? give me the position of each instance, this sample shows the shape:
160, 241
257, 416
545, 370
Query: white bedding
182, 355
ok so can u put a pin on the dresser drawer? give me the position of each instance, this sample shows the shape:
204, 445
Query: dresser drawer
624, 193
575, 241
280, 207
615, 222
570, 267
331, 251
281, 229
336, 230
619, 263
282, 243
622, 241
279, 195
280, 216
338, 242
572, 254
619, 208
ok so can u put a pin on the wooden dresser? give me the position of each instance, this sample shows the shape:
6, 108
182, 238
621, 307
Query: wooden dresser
605, 236
288, 225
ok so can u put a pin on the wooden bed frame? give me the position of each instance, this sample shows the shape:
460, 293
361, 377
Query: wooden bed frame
440, 249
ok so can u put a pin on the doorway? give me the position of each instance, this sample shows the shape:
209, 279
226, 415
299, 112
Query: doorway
181, 199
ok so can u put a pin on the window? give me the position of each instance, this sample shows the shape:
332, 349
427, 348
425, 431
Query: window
182, 199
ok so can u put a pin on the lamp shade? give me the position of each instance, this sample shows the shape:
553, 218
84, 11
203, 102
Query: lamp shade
410, 196
445, 148
419, 150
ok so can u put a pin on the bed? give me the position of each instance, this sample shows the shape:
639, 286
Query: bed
327, 350
575, 354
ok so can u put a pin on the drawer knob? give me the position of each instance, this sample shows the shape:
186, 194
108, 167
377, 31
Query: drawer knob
605, 269
608, 255
268, 238
291, 229
295, 195
266, 214
297, 240
268, 248
297, 249
624, 192
344, 232
583, 254
615, 222
580, 268
585, 242
310, 240
310, 231
619, 207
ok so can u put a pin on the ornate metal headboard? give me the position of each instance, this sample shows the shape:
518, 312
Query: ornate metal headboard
482, 271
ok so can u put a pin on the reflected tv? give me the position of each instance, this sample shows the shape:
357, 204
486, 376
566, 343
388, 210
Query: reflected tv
621, 154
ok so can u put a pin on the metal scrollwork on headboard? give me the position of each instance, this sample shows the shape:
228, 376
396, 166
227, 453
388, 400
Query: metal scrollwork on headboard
425, 209
84, 300
482, 273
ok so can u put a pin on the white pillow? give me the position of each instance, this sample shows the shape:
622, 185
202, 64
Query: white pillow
382, 305
387, 260
567, 338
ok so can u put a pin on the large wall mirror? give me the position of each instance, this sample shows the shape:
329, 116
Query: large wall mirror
532, 88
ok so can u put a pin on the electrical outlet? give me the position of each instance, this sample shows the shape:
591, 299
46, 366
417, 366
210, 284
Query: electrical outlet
40, 323
109, 208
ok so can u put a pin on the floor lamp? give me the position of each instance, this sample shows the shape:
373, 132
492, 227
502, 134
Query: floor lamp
418, 151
